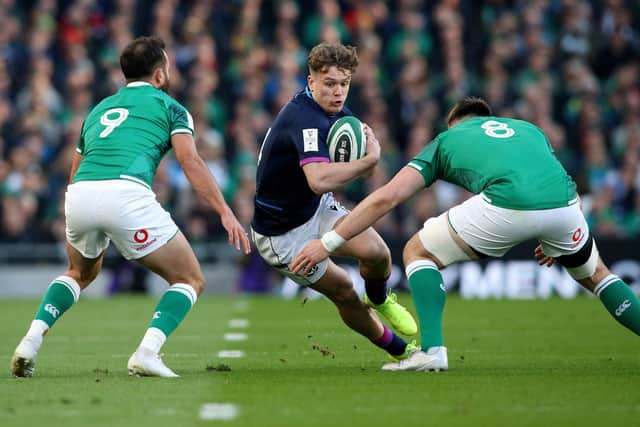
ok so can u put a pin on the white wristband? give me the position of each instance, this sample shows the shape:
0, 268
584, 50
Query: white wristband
332, 241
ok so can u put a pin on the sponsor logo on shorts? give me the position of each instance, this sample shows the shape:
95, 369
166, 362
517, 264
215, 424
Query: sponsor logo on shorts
577, 237
313, 271
146, 245
622, 307
141, 236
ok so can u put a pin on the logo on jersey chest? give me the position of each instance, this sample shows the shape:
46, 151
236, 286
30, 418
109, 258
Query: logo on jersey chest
310, 139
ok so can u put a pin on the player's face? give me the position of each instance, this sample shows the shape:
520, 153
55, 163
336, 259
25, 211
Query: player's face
330, 88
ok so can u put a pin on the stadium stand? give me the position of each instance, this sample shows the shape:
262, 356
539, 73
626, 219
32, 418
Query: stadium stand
570, 66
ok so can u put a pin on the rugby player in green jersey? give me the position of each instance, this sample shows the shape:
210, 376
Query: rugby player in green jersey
522, 192
109, 198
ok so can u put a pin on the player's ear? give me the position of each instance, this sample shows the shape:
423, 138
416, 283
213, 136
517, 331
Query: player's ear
158, 76
310, 82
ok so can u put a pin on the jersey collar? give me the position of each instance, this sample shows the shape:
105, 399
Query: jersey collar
138, 84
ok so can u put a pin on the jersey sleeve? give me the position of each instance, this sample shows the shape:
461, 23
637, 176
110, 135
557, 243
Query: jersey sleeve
427, 162
80, 145
180, 120
309, 141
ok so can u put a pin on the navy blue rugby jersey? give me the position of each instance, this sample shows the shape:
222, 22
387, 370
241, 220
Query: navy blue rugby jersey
298, 135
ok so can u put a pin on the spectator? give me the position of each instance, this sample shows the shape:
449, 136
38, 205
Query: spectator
572, 68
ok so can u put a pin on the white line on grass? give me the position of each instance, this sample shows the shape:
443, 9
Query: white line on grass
231, 354
218, 411
235, 336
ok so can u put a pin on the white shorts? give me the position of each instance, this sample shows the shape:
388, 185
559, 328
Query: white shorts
119, 210
279, 251
492, 230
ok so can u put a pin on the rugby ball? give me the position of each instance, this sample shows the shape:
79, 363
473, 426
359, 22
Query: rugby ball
346, 140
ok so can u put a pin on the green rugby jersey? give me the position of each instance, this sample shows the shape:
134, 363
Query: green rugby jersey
509, 161
126, 135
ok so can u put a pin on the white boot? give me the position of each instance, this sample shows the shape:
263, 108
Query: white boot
147, 363
435, 359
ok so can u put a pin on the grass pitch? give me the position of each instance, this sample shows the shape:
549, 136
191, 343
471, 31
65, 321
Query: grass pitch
525, 363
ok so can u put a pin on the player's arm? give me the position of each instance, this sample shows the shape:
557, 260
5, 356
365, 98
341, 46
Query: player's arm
205, 185
404, 184
75, 164
77, 155
325, 177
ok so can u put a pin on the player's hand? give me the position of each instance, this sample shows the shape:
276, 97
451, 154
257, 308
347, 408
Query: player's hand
373, 145
313, 253
237, 235
542, 258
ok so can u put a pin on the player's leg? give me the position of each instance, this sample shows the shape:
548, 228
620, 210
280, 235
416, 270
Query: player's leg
429, 250
375, 266
85, 248
143, 231
330, 280
374, 260
177, 264
436, 246
61, 294
589, 270
567, 239
336, 285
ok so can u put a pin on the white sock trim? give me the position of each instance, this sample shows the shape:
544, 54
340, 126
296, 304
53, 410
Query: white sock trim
69, 283
153, 340
420, 265
185, 289
604, 284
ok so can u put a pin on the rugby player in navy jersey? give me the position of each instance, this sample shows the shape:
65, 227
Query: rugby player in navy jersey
294, 203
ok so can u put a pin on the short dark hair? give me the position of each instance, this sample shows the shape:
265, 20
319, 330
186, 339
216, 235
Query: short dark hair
325, 55
469, 106
141, 57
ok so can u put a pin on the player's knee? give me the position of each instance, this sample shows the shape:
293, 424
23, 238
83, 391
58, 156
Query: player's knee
377, 252
82, 277
409, 251
414, 250
194, 279
198, 283
599, 274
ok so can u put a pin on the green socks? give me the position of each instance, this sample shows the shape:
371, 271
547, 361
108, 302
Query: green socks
169, 313
63, 292
620, 300
429, 296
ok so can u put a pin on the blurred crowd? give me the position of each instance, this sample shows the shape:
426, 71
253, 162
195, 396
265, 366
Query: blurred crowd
570, 66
